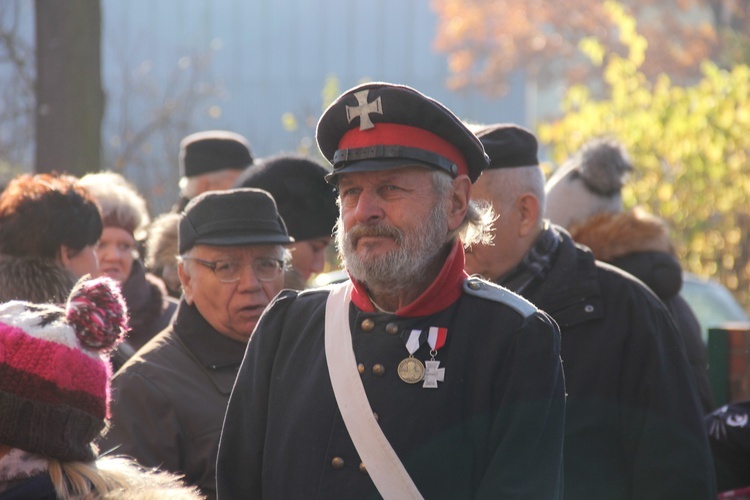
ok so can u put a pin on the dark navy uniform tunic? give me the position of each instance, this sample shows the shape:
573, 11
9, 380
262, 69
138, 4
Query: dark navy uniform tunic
492, 429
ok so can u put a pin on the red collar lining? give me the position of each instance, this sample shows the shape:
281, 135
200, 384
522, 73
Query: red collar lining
444, 291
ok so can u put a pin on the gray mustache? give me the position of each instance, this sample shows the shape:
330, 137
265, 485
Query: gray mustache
361, 231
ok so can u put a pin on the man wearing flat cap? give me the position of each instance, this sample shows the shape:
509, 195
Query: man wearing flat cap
210, 161
409, 379
170, 397
633, 425
306, 202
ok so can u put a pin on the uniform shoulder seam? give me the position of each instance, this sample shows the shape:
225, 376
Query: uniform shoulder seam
478, 287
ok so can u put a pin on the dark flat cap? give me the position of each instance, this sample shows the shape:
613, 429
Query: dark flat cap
213, 150
229, 218
306, 202
509, 145
377, 126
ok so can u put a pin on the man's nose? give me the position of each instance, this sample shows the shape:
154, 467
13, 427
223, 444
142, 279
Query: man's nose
248, 280
369, 208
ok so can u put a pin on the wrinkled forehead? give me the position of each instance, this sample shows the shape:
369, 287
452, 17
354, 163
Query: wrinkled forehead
405, 171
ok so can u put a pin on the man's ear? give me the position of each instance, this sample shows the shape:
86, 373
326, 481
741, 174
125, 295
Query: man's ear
185, 281
459, 201
528, 210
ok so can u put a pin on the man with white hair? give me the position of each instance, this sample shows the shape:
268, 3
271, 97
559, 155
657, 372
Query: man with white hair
410, 379
633, 427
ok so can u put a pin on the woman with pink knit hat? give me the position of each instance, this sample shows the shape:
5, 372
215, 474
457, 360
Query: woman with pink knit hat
54, 400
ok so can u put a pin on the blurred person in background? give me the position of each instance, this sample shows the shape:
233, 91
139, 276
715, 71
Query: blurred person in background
54, 401
210, 161
584, 196
633, 425
125, 218
161, 251
51, 217
170, 398
306, 202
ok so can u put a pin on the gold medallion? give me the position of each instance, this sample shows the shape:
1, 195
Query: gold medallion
411, 370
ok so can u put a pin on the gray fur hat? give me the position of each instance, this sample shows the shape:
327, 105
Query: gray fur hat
588, 183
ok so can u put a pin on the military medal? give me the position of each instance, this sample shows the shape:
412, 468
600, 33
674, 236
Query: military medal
411, 370
433, 373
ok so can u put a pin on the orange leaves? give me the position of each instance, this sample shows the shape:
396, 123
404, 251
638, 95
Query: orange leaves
487, 39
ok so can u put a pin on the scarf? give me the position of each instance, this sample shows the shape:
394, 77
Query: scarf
537, 262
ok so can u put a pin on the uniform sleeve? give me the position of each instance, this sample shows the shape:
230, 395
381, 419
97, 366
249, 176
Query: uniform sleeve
240, 459
143, 424
527, 434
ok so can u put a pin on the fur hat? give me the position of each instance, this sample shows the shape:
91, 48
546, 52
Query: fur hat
121, 203
589, 183
213, 150
54, 377
306, 202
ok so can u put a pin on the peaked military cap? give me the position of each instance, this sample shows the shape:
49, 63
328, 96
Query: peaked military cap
509, 145
377, 126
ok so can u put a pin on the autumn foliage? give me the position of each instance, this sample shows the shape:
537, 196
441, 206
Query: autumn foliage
485, 40
689, 144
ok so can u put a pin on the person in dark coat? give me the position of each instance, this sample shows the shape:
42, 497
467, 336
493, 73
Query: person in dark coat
306, 202
633, 426
423, 382
169, 398
584, 197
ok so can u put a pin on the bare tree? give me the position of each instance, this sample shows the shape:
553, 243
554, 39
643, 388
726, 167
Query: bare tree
16, 92
69, 95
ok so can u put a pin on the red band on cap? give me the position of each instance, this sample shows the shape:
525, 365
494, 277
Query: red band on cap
396, 134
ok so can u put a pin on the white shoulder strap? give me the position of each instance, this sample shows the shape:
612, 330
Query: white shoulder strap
383, 465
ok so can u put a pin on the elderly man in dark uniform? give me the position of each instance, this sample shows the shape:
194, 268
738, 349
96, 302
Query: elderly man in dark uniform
633, 426
170, 397
410, 379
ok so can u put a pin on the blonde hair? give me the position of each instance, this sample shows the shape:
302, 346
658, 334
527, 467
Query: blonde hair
116, 478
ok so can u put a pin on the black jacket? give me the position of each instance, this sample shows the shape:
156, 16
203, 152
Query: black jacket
169, 399
639, 243
634, 429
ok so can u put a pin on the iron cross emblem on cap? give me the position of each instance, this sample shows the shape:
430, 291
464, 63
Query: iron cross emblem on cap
364, 109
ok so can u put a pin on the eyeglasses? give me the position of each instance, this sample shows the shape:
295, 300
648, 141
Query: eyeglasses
229, 271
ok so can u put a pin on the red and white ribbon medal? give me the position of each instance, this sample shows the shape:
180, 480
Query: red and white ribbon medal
433, 374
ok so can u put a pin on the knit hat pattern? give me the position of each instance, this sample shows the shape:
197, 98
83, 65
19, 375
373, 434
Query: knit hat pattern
54, 374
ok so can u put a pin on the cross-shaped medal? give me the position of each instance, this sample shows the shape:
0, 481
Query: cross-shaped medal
364, 109
433, 374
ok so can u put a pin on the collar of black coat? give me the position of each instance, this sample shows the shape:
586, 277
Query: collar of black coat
214, 351
444, 291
